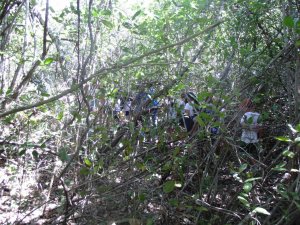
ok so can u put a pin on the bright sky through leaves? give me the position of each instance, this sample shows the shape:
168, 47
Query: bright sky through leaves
125, 5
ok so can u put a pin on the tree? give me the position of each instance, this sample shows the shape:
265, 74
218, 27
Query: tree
63, 71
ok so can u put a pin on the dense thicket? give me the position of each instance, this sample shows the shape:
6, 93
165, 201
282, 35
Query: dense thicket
66, 159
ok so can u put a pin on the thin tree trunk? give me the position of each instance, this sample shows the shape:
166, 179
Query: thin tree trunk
45, 30
297, 86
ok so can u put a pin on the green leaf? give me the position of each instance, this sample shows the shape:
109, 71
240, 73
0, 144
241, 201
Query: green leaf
169, 186
174, 202
35, 154
141, 166
60, 115
297, 140
243, 167
288, 153
62, 155
88, 162
8, 92
261, 211
252, 179
51, 9
285, 139
48, 61
202, 209
247, 187
95, 13
280, 167
244, 201
22, 152
43, 145
136, 14
106, 12
288, 21
107, 23
142, 197
298, 127
45, 94
8, 119
150, 221
127, 25
84, 171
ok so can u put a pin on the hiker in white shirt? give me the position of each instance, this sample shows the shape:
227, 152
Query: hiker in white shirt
249, 122
127, 107
187, 118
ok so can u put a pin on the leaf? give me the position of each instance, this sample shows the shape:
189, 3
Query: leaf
106, 12
292, 129
60, 115
288, 21
253, 179
127, 25
247, 187
297, 140
174, 202
48, 61
150, 221
107, 24
142, 197
285, 139
141, 166
51, 9
288, 153
243, 167
84, 171
45, 94
298, 127
244, 201
8, 92
169, 186
62, 155
136, 14
280, 167
202, 209
22, 152
88, 162
95, 13
261, 211
35, 154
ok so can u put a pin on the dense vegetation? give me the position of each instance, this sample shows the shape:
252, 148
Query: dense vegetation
65, 159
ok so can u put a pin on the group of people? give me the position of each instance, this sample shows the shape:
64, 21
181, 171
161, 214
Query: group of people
187, 112
183, 110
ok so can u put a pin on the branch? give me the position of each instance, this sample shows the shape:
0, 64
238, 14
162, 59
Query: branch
106, 70
45, 30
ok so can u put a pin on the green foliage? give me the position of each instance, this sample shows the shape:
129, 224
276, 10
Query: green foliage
254, 40
261, 211
244, 201
169, 186
280, 167
288, 21
284, 139
107, 23
47, 61
247, 187
63, 155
